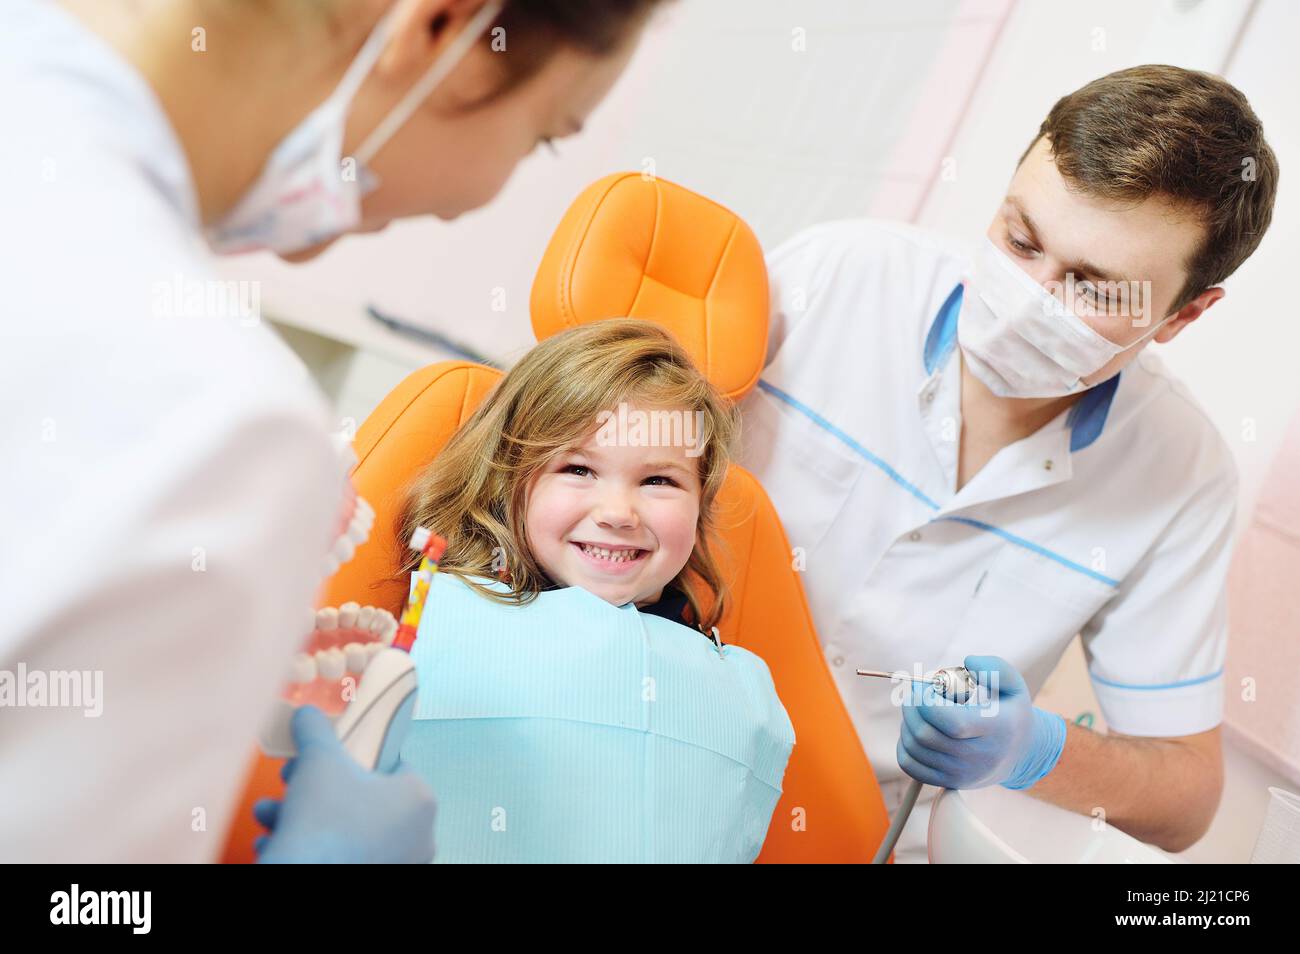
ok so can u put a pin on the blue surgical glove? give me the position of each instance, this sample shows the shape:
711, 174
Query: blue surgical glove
998, 737
335, 811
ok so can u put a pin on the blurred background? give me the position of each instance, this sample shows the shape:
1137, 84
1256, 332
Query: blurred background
794, 112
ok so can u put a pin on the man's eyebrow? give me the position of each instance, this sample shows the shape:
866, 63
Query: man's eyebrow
1081, 267
1084, 267
1012, 201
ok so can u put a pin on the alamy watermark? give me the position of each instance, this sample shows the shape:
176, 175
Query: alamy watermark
1109, 299
629, 427
183, 297
911, 689
129, 908
56, 689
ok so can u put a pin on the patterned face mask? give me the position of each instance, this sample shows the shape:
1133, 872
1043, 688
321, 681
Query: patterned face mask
309, 193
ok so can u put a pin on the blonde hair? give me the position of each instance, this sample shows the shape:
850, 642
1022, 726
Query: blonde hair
474, 492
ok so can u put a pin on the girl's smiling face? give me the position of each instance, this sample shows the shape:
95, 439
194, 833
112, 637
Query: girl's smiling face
617, 520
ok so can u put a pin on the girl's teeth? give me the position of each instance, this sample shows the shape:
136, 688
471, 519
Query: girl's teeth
327, 618
364, 617
615, 556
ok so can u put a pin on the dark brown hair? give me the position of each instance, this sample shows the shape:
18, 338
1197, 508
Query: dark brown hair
1182, 134
535, 29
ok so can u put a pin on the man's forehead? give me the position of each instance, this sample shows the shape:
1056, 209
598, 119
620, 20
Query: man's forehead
1121, 239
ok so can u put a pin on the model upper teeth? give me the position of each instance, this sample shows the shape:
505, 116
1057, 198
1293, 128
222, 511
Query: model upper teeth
355, 616
348, 613
344, 549
354, 535
616, 556
343, 642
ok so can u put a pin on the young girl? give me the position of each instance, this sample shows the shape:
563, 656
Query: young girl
576, 700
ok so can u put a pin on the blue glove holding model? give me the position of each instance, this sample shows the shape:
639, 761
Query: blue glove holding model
334, 811
998, 737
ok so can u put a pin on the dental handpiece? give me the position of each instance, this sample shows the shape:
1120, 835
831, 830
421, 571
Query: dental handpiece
953, 682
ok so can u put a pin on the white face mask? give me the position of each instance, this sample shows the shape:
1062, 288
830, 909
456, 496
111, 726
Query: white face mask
1023, 342
307, 192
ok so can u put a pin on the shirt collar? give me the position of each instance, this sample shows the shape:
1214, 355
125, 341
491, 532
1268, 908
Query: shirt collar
1086, 418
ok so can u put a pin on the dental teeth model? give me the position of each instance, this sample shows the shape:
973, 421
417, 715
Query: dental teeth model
338, 650
355, 521
356, 667
352, 671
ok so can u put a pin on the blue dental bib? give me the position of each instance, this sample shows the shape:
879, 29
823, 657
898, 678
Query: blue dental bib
572, 730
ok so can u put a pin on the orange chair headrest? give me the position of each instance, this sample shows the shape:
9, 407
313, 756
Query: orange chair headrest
638, 247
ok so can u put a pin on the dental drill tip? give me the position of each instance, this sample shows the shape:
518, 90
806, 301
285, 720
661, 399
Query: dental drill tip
893, 675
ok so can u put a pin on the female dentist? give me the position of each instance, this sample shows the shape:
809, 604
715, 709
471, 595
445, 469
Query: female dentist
170, 484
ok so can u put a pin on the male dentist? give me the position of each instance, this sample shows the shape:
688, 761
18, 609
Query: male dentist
977, 460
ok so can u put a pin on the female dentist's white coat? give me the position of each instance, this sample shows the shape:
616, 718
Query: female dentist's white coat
169, 483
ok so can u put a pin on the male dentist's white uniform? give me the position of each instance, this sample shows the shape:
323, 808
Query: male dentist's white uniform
1114, 520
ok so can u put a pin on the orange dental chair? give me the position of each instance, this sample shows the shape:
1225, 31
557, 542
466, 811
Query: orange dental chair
649, 249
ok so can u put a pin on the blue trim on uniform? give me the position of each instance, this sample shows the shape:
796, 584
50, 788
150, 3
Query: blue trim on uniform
1162, 685
1030, 545
826, 425
943, 332
916, 491
1086, 418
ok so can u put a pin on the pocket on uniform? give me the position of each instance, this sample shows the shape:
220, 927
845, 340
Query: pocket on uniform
1026, 608
807, 471
1075, 586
